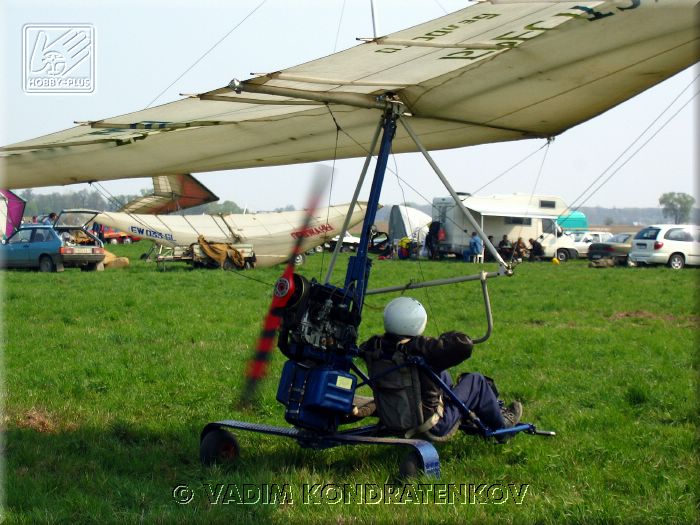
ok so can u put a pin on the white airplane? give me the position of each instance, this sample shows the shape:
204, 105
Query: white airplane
271, 234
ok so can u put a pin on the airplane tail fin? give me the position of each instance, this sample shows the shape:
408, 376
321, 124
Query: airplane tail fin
171, 193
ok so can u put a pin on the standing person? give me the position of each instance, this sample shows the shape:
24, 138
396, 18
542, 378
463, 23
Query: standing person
432, 240
476, 246
404, 322
50, 219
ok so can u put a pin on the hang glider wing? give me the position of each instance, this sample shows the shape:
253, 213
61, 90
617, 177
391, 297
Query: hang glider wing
171, 193
495, 71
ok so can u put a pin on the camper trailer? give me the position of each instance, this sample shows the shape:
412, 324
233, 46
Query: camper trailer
515, 215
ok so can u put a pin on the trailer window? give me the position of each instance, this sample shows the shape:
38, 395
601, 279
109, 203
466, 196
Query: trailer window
548, 204
525, 221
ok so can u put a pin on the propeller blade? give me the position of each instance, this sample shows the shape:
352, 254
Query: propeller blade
284, 289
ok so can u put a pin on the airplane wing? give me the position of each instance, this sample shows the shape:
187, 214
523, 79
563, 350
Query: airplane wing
171, 193
499, 70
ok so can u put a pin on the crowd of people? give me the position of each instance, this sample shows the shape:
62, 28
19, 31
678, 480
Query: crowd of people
506, 248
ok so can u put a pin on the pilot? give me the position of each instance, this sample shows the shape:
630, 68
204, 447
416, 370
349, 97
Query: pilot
404, 321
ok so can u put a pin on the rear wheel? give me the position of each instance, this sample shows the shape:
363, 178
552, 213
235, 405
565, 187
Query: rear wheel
219, 446
676, 261
562, 255
46, 264
299, 259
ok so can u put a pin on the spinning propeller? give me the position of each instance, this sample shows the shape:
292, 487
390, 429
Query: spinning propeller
283, 292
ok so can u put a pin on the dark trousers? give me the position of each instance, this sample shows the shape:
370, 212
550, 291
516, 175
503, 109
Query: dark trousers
474, 391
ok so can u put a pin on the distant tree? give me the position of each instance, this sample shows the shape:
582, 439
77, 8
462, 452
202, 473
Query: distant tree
288, 207
677, 206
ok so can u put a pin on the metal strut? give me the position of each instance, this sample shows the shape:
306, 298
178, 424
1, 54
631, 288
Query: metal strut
359, 265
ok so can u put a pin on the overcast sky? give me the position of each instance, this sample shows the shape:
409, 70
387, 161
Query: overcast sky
144, 47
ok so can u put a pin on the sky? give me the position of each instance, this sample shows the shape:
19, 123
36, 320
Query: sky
147, 53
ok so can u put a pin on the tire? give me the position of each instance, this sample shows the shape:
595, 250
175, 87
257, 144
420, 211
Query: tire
676, 261
219, 446
299, 259
113, 241
411, 465
127, 240
319, 248
46, 264
562, 255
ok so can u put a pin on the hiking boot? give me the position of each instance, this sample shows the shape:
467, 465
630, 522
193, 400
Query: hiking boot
511, 416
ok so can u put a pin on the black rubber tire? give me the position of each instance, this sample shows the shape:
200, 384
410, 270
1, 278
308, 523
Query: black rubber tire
676, 261
46, 264
411, 465
562, 255
219, 446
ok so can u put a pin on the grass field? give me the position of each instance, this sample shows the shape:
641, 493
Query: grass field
110, 377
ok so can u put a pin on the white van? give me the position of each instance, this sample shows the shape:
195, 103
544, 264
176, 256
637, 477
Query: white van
515, 215
676, 245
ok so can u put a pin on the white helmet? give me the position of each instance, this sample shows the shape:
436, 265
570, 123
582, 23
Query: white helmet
405, 316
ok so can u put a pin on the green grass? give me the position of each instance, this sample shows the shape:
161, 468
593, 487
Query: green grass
110, 377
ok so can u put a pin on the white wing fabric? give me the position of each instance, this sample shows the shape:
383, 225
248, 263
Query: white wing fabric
496, 71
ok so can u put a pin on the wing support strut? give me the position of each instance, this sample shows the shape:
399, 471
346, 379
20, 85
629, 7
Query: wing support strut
504, 268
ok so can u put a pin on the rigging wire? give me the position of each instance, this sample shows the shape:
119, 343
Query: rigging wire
330, 193
207, 52
420, 266
340, 22
575, 205
534, 189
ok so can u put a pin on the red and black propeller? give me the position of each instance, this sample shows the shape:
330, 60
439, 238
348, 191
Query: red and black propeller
283, 292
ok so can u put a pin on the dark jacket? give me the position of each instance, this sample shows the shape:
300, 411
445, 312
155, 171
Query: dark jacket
440, 353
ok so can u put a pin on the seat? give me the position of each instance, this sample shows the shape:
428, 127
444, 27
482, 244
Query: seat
480, 257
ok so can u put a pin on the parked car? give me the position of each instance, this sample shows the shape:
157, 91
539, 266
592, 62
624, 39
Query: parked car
676, 245
583, 240
53, 247
616, 248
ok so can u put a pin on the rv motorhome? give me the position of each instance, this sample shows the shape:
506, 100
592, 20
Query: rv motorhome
515, 215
